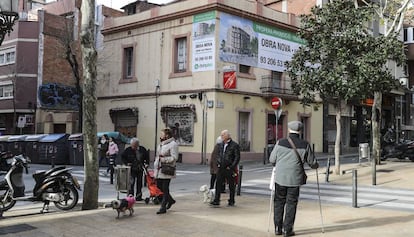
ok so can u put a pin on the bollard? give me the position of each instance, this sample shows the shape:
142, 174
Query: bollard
264, 155
239, 180
328, 165
354, 188
374, 171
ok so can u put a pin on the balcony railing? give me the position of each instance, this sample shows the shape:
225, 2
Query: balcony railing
272, 85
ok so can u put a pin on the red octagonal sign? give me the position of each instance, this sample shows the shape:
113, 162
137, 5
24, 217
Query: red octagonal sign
276, 103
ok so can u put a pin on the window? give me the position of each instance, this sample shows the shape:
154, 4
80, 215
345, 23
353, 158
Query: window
128, 62
6, 91
405, 35
244, 68
181, 55
7, 56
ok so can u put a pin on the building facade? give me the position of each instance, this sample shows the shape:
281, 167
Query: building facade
199, 67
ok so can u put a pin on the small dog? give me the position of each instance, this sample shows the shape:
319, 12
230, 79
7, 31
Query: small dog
208, 194
124, 204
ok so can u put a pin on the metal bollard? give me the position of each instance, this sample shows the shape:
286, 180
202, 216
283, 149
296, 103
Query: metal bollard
264, 155
239, 180
354, 188
328, 166
374, 171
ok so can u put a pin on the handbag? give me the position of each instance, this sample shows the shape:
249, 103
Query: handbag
305, 177
167, 169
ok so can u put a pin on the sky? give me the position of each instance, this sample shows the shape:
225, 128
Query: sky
117, 4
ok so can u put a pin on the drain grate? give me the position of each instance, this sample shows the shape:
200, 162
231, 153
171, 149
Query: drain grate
15, 229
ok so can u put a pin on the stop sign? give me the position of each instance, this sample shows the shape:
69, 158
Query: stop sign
276, 103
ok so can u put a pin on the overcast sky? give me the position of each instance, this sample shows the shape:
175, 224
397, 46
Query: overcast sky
117, 4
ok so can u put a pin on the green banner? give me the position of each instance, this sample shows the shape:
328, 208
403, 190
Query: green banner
204, 16
282, 34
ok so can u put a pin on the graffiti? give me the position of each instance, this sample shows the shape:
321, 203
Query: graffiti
57, 96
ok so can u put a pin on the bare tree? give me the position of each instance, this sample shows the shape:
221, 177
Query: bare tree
89, 58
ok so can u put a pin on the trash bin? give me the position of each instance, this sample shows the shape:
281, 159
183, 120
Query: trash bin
53, 149
364, 152
32, 146
76, 149
123, 174
4, 143
17, 144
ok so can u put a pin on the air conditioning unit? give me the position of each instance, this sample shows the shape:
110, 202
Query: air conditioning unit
404, 81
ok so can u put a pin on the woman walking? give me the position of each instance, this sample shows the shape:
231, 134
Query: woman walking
167, 155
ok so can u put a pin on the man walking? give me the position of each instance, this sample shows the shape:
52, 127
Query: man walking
228, 159
136, 157
288, 155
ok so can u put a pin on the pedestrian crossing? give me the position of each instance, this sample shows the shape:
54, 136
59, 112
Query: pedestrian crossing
377, 197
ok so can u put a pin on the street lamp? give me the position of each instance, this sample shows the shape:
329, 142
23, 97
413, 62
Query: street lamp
8, 15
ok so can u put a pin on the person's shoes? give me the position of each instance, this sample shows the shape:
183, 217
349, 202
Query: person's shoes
214, 204
170, 204
139, 198
278, 231
288, 233
230, 204
161, 211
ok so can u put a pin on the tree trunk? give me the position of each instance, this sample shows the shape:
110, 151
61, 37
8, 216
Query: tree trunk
376, 121
338, 139
89, 57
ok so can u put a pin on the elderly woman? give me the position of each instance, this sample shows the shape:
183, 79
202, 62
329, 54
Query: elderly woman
167, 155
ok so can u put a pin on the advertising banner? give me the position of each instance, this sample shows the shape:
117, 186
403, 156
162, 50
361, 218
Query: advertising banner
203, 56
249, 43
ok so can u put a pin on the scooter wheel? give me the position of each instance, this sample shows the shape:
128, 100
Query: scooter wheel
9, 203
70, 197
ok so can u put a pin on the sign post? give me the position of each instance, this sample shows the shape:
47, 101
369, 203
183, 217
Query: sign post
276, 104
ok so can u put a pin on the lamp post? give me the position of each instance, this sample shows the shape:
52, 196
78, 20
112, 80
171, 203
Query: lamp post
8, 15
33, 107
157, 93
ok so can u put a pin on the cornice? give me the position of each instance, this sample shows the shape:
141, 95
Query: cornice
188, 12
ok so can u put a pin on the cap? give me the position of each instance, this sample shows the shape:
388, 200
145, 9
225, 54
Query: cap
295, 126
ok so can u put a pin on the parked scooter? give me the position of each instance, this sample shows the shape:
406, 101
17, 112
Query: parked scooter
392, 149
56, 185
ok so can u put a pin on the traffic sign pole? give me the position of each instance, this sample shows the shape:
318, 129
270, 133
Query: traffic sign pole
276, 104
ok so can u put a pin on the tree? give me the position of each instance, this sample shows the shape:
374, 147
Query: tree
342, 61
89, 58
392, 15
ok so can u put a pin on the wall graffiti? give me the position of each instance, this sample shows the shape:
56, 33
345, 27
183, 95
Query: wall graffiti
56, 96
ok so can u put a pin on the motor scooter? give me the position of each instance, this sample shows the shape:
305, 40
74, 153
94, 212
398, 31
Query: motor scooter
401, 149
56, 185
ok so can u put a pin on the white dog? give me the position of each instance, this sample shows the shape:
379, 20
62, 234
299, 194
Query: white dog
208, 194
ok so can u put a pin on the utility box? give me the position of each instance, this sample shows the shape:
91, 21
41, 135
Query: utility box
364, 152
123, 175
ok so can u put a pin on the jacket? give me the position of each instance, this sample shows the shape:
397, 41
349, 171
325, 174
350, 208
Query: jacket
213, 159
289, 171
230, 158
168, 150
136, 158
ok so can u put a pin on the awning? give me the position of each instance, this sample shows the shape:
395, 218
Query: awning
175, 107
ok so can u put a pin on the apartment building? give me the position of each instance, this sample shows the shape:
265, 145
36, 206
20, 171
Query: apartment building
199, 67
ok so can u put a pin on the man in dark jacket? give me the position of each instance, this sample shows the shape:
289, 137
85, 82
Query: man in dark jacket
136, 157
227, 161
289, 176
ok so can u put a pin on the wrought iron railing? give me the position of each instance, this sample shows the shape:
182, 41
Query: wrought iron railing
276, 85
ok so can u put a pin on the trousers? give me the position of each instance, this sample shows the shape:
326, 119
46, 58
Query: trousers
285, 197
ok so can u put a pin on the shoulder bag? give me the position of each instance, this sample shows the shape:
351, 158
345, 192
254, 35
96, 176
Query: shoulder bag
305, 177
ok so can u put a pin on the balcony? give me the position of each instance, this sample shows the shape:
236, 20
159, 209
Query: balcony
275, 86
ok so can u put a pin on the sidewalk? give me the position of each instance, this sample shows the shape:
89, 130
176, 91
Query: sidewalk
191, 217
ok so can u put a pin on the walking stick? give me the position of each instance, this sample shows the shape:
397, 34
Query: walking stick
320, 204
272, 192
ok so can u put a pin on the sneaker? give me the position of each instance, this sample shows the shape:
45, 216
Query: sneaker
230, 204
138, 199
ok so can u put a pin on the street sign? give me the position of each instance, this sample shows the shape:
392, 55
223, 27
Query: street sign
276, 103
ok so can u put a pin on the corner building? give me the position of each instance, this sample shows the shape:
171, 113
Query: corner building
199, 67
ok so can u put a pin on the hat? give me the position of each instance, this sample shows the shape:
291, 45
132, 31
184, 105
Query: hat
295, 126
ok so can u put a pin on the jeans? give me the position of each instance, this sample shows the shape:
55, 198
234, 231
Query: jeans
285, 197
